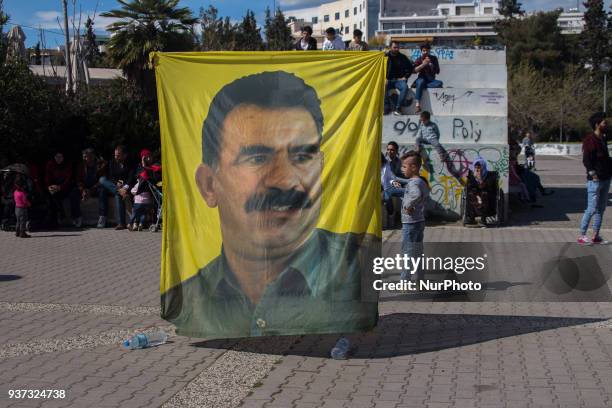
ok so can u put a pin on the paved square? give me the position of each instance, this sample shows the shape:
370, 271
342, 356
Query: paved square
68, 298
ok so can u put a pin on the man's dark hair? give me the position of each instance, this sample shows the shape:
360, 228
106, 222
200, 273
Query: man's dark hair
425, 46
394, 144
357, 33
276, 89
426, 115
307, 29
596, 119
331, 30
394, 42
122, 148
411, 153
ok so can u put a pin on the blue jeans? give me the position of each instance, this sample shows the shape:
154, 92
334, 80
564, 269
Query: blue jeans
392, 192
110, 187
422, 83
401, 86
412, 245
139, 212
597, 197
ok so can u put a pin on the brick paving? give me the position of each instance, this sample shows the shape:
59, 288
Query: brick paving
68, 298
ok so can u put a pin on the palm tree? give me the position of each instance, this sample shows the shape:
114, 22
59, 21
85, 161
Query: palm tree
144, 26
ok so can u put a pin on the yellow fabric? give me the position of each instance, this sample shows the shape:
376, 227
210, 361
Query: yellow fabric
350, 86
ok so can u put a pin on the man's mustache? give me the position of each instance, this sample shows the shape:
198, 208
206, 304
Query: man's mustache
278, 200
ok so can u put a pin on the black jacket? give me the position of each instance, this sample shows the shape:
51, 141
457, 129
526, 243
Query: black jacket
312, 45
399, 66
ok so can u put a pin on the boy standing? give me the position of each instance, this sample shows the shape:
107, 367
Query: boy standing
413, 210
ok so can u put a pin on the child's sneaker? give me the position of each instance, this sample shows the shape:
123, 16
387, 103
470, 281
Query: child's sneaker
598, 240
584, 240
139, 227
130, 228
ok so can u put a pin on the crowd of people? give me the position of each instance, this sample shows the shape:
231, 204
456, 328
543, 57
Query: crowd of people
127, 183
399, 66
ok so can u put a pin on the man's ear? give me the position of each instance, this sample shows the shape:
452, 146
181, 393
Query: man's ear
205, 181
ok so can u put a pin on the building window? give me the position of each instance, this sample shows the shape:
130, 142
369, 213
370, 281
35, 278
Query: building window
355, 11
355, 26
337, 16
360, 8
488, 10
346, 30
466, 10
444, 11
326, 18
315, 20
360, 25
346, 13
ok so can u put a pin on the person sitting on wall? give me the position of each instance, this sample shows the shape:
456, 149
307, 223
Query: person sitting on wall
307, 42
481, 192
332, 41
427, 67
399, 69
60, 183
358, 44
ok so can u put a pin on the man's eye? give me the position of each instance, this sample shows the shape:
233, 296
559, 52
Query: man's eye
257, 159
301, 157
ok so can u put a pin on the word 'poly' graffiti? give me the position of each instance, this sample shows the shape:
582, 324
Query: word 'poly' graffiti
462, 130
441, 53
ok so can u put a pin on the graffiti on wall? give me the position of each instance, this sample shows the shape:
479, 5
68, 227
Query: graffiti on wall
441, 53
463, 129
447, 173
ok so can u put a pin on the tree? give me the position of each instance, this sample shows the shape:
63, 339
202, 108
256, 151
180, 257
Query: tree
92, 54
211, 27
145, 26
536, 41
596, 37
4, 18
248, 36
510, 8
278, 33
228, 35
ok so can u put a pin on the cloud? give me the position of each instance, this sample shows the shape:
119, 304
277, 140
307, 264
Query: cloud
298, 4
46, 19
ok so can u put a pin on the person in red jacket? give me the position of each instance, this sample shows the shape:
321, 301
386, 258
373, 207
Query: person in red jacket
60, 184
598, 165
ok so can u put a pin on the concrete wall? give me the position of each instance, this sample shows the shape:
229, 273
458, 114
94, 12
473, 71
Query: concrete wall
471, 112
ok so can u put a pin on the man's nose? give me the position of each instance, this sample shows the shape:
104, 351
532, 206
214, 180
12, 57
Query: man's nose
282, 174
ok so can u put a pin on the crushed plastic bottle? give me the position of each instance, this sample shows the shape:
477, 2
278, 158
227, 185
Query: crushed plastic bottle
341, 349
146, 339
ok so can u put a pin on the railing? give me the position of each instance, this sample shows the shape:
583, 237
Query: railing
445, 30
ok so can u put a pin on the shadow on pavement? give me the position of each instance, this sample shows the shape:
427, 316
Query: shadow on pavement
401, 334
555, 207
8, 278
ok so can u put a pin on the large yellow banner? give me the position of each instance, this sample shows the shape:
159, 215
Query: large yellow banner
271, 191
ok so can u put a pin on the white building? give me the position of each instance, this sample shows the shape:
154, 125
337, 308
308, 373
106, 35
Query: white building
343, 15
451, 23
447, 23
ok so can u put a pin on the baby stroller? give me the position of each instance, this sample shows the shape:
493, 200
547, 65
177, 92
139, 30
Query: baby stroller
484, 199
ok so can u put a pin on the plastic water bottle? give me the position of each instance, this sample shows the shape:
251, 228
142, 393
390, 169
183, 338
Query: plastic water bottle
144, 340
341, 349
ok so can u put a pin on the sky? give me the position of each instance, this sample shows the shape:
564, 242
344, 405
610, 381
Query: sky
31, 14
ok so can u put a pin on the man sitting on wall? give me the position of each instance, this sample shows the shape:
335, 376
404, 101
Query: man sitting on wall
399, 68
332, 41
427, 67
307, 42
